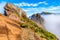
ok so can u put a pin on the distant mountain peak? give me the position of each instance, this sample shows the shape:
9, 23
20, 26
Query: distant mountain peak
46, 13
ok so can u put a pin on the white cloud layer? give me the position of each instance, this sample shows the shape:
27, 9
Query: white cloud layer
51, 9
30, 4
52, 24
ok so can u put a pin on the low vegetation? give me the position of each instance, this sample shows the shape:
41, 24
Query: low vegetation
43, 33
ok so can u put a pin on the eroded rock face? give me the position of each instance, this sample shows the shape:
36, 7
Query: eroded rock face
13, 12
8, 31
38, 19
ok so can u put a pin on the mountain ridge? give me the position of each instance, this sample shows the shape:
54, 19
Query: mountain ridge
17, 26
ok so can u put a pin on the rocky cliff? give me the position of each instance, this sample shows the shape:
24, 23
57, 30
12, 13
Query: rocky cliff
38, 19
14, 25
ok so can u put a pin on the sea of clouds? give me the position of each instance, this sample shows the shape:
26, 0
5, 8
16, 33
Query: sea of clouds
52, 24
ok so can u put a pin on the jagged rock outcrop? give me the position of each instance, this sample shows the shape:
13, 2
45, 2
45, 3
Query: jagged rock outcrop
15, 25
13, 12
38, 19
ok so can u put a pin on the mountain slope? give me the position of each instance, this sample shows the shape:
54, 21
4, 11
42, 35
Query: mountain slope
15, 25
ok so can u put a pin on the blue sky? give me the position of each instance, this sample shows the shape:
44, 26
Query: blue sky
34, 6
